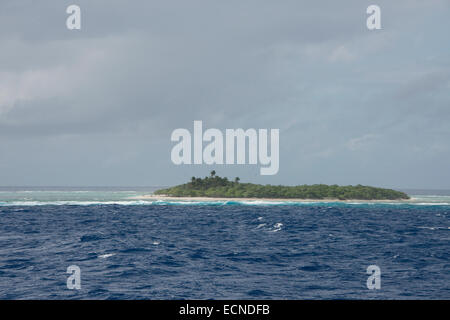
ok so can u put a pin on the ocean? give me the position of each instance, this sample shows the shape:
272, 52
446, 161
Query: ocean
141, 249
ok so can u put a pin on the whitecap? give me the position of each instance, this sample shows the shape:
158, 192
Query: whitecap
434, 228
277, 227
205, 203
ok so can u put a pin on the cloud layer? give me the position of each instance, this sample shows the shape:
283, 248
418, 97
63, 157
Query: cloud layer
97, 106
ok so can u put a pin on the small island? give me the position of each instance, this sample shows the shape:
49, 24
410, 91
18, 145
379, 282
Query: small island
218, 187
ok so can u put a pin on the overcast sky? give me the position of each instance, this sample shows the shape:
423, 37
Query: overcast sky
96, 106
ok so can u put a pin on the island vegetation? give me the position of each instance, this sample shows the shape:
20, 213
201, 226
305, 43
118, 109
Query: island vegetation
218, 187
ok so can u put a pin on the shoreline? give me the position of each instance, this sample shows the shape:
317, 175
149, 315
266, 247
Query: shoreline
202, 199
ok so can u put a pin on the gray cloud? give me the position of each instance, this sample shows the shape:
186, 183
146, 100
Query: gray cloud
97, 106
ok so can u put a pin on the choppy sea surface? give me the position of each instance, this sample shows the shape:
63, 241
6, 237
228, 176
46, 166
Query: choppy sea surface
142, 249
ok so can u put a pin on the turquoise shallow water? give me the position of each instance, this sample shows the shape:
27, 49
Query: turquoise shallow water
121, 196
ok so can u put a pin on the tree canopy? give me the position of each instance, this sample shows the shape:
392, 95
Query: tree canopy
215, 186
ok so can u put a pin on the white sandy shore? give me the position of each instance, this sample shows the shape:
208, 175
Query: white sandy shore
201, 199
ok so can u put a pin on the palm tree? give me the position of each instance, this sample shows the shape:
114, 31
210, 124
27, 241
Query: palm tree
213, 173
193, 180
237, 179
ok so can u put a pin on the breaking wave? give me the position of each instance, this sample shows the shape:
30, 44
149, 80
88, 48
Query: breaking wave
138, 198
211, 203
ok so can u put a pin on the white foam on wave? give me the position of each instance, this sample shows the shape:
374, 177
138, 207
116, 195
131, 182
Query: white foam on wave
277, 227
75, 203
261, 202
205, 203
104, 256
434, 228
431, 203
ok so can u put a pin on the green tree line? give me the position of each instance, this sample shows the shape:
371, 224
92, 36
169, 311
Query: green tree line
215, 186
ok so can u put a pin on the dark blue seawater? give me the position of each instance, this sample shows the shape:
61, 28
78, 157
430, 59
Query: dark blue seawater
228, 251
